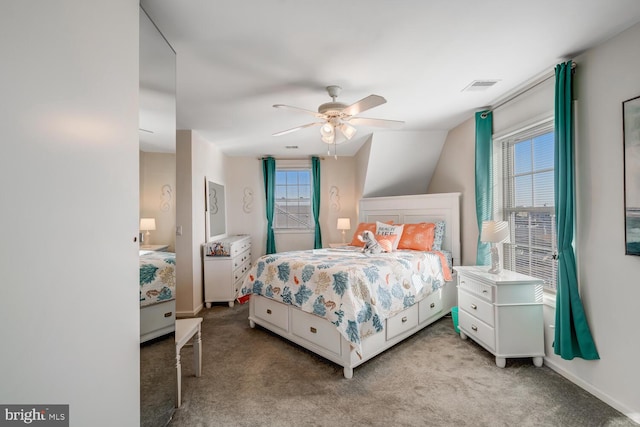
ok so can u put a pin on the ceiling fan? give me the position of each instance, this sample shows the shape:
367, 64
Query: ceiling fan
336, 116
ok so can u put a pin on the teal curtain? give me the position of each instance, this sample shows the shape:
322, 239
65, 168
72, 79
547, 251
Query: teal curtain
269, 172
572, 333
315, 170
484, 178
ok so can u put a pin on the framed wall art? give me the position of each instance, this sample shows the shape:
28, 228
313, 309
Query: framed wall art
631, 138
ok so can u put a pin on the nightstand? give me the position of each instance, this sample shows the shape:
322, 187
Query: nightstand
501, 312
338, 245
156, 248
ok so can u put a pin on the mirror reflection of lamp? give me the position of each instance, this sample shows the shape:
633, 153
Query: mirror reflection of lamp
343, 225
147, 224
495, 232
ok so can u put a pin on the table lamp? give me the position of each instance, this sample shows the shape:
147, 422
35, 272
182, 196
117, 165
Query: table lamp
495, 232
343, 225
147, 224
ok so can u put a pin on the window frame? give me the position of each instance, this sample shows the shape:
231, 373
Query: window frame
502, 210
295, 165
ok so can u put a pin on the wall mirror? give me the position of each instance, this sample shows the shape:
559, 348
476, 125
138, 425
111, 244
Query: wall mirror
216, 224
157, 104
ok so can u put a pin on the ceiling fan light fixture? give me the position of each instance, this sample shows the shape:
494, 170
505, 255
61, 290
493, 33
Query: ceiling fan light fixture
329, 139
347, 130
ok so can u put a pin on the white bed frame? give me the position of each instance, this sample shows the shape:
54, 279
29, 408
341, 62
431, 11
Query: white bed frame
157, 320
320, 336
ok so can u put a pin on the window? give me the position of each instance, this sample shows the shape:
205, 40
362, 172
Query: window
293, 198
527, 159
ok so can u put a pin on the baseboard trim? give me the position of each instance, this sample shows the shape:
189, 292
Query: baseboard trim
633, 416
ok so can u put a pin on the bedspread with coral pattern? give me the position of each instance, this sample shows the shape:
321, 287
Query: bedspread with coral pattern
157, 277
353, 290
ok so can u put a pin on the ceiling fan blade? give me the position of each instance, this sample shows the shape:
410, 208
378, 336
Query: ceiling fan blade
363, 121
302, 110
308, 125
364, 104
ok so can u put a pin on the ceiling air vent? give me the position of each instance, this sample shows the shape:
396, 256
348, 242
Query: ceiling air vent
478, 85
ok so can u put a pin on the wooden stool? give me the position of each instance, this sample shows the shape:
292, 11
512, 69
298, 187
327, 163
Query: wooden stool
185, 330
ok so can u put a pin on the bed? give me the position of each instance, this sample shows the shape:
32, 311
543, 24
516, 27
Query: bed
347, 306
157, 294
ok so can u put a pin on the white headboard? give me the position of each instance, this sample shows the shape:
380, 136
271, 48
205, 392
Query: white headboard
418, 208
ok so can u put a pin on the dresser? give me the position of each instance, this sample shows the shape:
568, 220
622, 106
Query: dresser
226, 263
501, 312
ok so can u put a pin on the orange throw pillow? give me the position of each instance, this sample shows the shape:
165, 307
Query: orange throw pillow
418, 237
371, 226
386, 241
362, 227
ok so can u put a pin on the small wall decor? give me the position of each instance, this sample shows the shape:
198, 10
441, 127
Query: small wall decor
334, 198
631, 129
166, 197
247, 200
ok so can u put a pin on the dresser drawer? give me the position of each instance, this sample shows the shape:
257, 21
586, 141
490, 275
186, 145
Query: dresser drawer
241, 258
271, 311
316, 330
429, 307
476, 287
477, 330
402, 322
476, 306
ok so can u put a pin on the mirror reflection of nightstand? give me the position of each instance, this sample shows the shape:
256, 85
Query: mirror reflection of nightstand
157, 248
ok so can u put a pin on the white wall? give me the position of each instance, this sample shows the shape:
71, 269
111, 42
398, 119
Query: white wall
196, 158
455, 172
245, 183
605, 77
610, 291
69, 168
158, 196
402, 163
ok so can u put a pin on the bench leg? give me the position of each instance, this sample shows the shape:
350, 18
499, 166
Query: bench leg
197, 353
179, 382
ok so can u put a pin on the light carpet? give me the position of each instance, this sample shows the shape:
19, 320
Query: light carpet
252, 377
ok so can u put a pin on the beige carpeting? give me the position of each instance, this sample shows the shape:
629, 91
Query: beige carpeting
254, 378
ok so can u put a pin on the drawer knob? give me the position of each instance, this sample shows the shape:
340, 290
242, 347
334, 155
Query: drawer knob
473, 306
168, 314
313, 330
484, 291
404, 319
474, 327
433, 304
268, 311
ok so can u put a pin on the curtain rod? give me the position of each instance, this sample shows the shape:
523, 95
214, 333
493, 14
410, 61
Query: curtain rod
527, 88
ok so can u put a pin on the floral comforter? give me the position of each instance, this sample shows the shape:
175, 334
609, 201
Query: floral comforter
354, 291
157, 277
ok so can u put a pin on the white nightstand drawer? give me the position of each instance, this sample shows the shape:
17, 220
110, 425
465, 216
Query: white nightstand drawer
476, 307
476, 287
272, 311
316, 330
477, 330
402, 322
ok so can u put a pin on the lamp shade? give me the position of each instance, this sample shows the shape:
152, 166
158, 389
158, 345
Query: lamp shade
495, 232
147, 224
344, 224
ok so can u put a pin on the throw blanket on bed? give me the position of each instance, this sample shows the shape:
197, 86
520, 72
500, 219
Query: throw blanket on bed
157, 277
354, 291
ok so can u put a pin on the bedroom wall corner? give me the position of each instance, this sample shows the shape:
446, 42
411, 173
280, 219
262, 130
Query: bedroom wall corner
196, 159
455, 172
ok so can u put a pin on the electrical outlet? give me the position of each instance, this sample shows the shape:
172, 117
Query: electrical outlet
179, 230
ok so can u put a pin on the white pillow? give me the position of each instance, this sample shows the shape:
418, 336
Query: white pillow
383, 229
